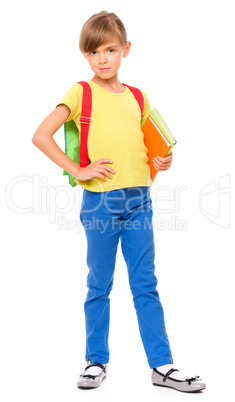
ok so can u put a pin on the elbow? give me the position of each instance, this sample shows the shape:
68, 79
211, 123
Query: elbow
38, 142
35, 140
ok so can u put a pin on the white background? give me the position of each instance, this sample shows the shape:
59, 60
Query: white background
182, 56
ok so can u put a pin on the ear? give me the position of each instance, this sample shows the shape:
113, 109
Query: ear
127, 49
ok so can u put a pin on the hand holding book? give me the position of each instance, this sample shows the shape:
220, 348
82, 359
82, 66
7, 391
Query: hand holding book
161, 164
159, 140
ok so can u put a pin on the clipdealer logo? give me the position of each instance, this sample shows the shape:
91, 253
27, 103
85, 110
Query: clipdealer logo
214, 201
32, 195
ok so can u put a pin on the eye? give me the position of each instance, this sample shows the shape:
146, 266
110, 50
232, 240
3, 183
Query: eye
93, 53
111, 51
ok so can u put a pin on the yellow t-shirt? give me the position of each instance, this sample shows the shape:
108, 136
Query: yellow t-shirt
115, 133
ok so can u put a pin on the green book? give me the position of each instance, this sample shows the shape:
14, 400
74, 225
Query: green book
164, 128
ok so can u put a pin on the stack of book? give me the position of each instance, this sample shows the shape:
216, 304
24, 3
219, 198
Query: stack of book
158, 139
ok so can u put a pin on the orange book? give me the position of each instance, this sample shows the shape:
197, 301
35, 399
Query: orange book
156, 142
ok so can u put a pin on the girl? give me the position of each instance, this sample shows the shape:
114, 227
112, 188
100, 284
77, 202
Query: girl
116, 202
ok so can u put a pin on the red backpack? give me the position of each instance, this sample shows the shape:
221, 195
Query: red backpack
75, 148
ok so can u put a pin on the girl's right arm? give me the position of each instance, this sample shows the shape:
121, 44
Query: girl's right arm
43, 139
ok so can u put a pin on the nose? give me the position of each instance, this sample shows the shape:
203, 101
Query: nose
102, 58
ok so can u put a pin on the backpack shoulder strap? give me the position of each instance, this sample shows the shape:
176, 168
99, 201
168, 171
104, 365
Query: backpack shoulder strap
85, 118
138, 96
85, 121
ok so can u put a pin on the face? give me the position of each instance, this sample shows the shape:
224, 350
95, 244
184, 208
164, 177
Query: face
106, 59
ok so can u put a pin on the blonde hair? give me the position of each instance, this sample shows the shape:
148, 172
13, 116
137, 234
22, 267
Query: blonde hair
98, 28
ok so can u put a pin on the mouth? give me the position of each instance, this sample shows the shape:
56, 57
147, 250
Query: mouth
104, 69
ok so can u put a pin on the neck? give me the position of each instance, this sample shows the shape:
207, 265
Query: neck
111, 84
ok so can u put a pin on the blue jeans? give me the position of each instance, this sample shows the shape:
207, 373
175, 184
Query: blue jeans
124, 214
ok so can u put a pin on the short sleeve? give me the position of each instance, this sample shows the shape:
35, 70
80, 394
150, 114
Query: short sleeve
146, 110
73, 99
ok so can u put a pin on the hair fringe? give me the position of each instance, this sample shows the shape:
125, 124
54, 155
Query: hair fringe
98, 28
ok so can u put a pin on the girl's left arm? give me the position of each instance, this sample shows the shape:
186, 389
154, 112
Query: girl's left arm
159, 163
162, 163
